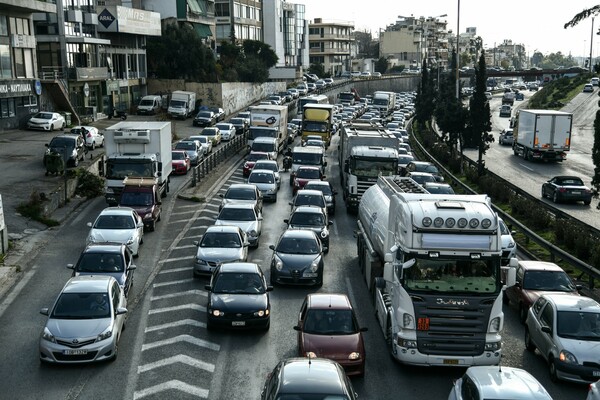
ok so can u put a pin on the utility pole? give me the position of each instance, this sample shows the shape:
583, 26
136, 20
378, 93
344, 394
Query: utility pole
591, 44
457, 52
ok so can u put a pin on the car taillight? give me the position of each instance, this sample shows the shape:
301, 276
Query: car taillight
89, 134
562, 189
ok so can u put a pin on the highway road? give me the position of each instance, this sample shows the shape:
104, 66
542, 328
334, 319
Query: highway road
166, 352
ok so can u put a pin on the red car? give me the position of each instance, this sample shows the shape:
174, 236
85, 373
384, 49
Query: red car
305, 174
181, 162
252, 158
327, 328
535, 278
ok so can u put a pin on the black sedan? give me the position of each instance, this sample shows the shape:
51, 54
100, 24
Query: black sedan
297, 259
566, 188
238, 297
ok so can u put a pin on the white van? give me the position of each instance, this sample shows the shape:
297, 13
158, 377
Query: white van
149, 105
266, 145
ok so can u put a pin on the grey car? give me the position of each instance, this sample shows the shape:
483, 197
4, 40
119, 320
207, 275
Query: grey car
327, 190
242, 193
193, 149
565, 329
266, 181
311, 218
270, 165
219, 245
297, 259
85, 322
246, 217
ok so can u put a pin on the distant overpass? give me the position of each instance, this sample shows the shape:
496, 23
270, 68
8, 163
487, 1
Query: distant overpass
537, 73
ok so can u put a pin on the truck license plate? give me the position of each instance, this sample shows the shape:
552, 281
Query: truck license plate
238, 323
450, 362
77, 352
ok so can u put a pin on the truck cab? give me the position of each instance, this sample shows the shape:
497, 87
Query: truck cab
143, 196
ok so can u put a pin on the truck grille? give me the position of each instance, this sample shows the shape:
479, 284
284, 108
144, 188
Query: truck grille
450, 329
362, 186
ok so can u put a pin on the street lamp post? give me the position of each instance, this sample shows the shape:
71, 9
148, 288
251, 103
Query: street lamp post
457, 51
591, 44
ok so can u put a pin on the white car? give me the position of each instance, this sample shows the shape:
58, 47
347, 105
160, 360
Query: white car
120, 225
93, 137
498, 382
207, 146
227, 130
47, 121
594, 391
247, 217
509, 247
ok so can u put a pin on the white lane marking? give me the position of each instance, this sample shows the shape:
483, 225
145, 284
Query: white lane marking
179, 294
180, 358
187, 246
169, 271
198, 227
204, 218
171, 385
335, 229
16, 291
180, 221
525, 166
182, 338
166, 260
162, 284
177, 308
182, 322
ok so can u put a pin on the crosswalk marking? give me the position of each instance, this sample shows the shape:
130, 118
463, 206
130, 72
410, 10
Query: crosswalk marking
173, 270
166, 260
169, 283
179, 294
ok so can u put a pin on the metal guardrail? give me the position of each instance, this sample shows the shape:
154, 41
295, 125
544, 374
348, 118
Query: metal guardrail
556, 253
223, 153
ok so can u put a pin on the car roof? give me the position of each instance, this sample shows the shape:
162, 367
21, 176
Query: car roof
305, 149
563, 177
309, 167
497, 382
239, 205
436, 184
265, 139
572, 302
421, 162
316, 183
308, 209
309, 192
117, 211
531, 265
417, 173
240, 267
266, 162
336, 301
262, 171
104, 247
299, 234
88, 284
316, 375
222, 229
248, 186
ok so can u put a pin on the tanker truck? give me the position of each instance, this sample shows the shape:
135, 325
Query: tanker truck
432, 263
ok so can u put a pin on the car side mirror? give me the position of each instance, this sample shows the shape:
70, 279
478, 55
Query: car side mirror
335, 192
325, 164
131, 267
196, 243
323, 177
546, 329
121, 311
260, 218
298, 328
287, 221
208, 287
89, 224
272, 247
70, 266
330, 223
269, 288
290, 203
45, 311
579, 287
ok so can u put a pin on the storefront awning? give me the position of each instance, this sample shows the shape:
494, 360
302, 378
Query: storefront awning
203, 30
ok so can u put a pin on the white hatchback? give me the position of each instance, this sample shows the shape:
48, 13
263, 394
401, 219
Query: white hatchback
119, 225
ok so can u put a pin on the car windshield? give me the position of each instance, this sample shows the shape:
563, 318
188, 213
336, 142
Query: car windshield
238, 283
43, 116
223, 127
237, 121
422, 178
307, 173
307, 158
81, 306
578, 325
100, 262
290, 245
237, 214
221, 239
432, 169
241, 194
132, 199
257, 156
329, 322
555, 281
202, 139
208, 132
62, 142
177, 155
185, 146
439, 189
404, 160
204, 114
271, 166
114, 222
317, 143
261, 177
309, 200
323, 188
569, 182
307, 219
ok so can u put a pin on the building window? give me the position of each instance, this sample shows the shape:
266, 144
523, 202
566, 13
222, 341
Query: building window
5, 68
7, 108
3, 26
222, 10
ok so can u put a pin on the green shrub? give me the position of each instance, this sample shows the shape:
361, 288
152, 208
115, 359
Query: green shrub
89, 185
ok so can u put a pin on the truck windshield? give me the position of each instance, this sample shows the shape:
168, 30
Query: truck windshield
313, 126
346, 96
147, 102
264, 147
380, 102
119, 169
177, 104
256, 132
307, 158
372, 168
479, 276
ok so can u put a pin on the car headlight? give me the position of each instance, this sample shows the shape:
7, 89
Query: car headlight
91, 239
261, 313
354, 356
567, 357
200, 261
148, 216
408, 321
253, 233
130, 240
314, 266
104, 335
217, 313
47, 335
495, 325
278, 264
324, 233
109, 190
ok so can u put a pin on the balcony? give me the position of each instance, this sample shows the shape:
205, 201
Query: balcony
88, 74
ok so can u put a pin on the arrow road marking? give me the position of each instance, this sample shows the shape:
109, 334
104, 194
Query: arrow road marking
178, 308
182, 322
180, 358
170, 385
182, 338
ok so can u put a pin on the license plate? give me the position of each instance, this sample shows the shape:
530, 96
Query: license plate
596, 373
238, 323
310, 274
575, 192
77, 352
450, 362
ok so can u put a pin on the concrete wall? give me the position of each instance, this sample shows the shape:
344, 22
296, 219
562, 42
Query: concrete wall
231, 96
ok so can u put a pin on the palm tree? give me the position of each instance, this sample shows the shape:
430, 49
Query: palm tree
589, 12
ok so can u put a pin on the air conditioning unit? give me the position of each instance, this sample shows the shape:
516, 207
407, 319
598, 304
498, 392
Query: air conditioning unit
90, 19
74, 16
132, 136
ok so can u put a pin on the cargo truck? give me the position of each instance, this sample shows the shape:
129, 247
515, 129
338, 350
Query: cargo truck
432, 263
542, 135
269, 121
182, 104
385, 102
137, 149
143, 195
364, 152
317, 119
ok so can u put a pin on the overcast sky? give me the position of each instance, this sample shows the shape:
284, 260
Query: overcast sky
536, 24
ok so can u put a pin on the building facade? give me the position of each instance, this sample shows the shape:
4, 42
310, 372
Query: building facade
331, 44
241, 18
20, 89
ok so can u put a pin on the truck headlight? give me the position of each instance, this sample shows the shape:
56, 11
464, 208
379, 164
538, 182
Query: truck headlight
408, 321
495, 346
409, 344
495, 324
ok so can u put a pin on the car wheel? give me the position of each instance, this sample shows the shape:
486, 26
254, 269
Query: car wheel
528, 343
115, 351
543, 193
555, 197
552, 369
76, 162
587, 202
93, 145
522, 313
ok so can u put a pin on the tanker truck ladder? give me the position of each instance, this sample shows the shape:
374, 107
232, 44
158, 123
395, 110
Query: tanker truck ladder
401, 184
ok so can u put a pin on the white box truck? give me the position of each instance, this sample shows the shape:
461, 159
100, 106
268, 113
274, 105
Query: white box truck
182, 104
137, 149
542, 135
269, 121
432, 263
385, 102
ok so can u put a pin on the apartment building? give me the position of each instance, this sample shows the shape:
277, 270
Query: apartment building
331, 44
